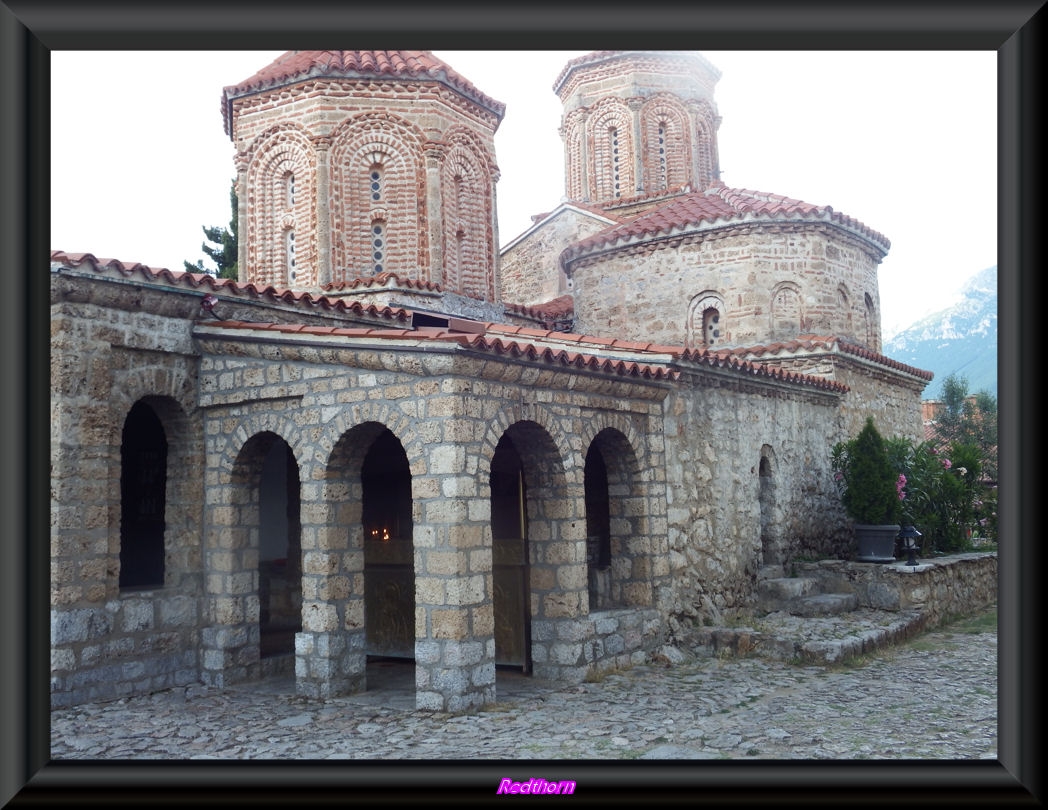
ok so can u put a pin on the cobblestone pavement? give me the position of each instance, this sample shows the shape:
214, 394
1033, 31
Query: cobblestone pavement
931, 698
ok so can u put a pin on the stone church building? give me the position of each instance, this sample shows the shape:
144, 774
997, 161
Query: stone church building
390, 439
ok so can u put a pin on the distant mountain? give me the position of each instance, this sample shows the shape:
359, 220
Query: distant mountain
961, 339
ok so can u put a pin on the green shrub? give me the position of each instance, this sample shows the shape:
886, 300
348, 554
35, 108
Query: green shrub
866, 477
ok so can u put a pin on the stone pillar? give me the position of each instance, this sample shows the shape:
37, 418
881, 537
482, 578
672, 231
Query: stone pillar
454, 614
637, 157
323, 226
331, 649
433, 156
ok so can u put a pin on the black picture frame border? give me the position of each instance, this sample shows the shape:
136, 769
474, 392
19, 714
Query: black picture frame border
30, 29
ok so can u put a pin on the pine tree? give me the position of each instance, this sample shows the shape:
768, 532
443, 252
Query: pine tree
222, 249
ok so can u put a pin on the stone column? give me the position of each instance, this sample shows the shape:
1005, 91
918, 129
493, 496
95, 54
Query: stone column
634, 105
433, 156
230, 635
323, 225
454, 615
331, 648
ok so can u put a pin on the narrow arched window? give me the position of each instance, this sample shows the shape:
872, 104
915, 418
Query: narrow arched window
375, 183
378, 246
663, 176
613, 137
289, 190
711, 330
289, 255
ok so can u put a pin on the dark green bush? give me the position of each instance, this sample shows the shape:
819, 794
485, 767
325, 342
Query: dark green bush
866, 477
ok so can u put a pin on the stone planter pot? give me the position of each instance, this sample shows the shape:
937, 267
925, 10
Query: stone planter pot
876, 543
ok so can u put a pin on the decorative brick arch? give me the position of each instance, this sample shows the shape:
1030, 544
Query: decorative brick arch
610, 138
704, 146
395, 147
666, 143
572, 133
466, 193
279, 153
706, 324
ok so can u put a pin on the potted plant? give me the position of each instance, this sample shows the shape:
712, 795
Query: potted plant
868, 484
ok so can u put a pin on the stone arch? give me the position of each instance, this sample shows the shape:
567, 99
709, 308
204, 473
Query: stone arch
704, 146
338, 588
786, 311
279, 153
706, 321
871, 322
844, 309
233, 527
397, 146
619, 558
555, 579
771, 551
169, 392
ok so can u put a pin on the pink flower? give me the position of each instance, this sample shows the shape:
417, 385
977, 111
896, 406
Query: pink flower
947, 463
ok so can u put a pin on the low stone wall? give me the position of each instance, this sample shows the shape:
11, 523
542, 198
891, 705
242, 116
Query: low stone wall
139, 643
940, 588
565, 650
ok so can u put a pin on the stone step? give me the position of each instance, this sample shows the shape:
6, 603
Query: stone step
787, 587
770, 572
823, 604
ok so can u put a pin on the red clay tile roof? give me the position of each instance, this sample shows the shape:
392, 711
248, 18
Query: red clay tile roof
807, 343
590, 352
718, 206
205, 282
600, 56
557, 308
296, 66
381, 280
477, 341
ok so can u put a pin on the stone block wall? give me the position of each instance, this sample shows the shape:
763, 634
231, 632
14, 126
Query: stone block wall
530, 267
724, 515
107, 642
940, 588
773, 285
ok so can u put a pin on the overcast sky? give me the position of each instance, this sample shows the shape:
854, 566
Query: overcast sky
903, 141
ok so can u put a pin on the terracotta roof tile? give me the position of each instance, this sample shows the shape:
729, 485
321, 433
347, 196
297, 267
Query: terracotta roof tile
717, 205
382, 280
296, 66
228, 287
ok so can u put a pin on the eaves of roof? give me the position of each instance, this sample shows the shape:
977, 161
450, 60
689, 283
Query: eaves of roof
205, 284
808, 344
717, 208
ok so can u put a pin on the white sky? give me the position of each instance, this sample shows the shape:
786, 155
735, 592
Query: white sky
903, 141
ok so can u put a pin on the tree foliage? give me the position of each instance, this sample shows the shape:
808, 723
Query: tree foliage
866, 477
221, 245
969, 419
